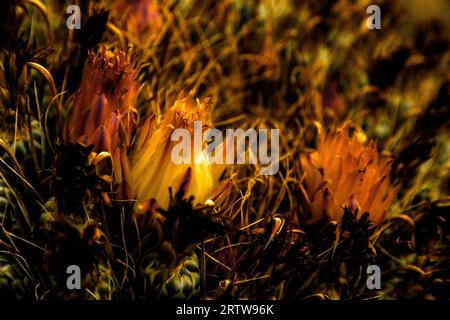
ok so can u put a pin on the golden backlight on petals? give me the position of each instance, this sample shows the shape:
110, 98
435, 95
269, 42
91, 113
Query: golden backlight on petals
153, 171
345, 172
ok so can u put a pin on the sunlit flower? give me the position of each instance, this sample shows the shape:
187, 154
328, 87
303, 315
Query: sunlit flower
153, 171
345, 172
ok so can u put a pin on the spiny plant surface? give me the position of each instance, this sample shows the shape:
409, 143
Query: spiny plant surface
86, 176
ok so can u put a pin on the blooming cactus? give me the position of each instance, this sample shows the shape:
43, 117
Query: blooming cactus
152, 169
344, 171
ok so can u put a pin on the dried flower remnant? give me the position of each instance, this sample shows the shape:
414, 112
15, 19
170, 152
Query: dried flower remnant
345, 172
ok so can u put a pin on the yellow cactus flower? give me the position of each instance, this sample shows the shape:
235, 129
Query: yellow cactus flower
152, 168
345, 172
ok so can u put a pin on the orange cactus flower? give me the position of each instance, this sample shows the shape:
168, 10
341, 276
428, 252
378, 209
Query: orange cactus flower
103, 114
346, 172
